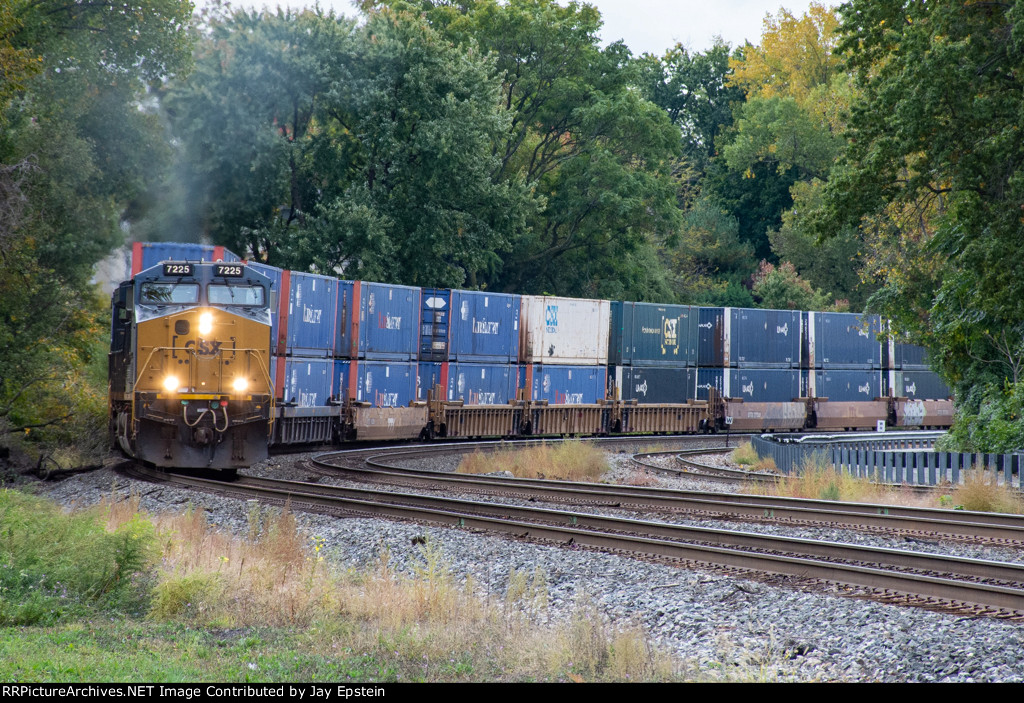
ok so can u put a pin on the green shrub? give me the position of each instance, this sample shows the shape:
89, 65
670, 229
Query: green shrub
54, 565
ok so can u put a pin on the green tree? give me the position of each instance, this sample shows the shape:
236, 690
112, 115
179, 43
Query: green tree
259, 153
78, 150
597, 157
933, 173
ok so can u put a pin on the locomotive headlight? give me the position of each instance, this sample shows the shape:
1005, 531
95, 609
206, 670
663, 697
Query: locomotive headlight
240, 385
171, 384
206, 323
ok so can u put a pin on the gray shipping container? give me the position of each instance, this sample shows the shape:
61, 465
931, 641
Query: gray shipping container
843, 340
649, 334
655, 384
749, 338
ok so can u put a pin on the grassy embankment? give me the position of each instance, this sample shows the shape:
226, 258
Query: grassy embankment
819, 480
114, 594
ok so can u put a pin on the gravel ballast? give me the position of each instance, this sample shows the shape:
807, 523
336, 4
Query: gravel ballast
723, 625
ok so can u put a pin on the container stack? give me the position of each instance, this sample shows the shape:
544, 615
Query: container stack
563, 349
909, 375
652, 355
750, 354
843, 356
469, 345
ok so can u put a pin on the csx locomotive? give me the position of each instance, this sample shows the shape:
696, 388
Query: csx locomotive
189, 365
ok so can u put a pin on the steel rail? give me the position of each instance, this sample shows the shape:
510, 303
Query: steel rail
955, 523
663, 541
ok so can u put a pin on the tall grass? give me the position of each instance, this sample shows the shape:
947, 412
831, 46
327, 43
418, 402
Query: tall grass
54, 565
570, 461
423, 614
817, 479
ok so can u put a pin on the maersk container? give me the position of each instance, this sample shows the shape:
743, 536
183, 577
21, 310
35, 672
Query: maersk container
382, 384
655, 384
846, 384
753, 385
843, 340
749, 338
920, 385
564, 385
148, 254
435, 310
303, 382
378, 321
564, 331
307, 325
648, 334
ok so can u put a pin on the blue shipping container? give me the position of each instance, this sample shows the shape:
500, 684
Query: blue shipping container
843, 340
846, 385
312, 309
484, 327
387, 324
148, 254
383, 384
753, 385
564, 385
435, 309
921, 385
481, 384
306, 382
748, 338
656, 384
649, 334
762, 338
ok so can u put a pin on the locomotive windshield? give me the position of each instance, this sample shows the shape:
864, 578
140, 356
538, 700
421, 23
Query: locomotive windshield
168, 293
234, 295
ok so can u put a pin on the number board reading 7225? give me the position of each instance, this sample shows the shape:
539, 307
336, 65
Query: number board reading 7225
229, 270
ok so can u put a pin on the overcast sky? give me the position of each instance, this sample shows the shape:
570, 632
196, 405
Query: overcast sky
645, 25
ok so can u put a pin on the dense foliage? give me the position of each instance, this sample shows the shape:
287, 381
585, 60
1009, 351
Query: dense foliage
865, 157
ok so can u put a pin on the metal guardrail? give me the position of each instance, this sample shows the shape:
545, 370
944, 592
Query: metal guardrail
890, 459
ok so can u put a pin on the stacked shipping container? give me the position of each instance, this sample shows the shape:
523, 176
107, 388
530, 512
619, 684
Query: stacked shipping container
388, 345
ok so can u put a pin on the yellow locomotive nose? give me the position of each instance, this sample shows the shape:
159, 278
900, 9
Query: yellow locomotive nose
206, 323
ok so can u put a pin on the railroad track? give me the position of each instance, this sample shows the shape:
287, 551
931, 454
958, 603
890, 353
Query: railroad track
937, 582
921, 523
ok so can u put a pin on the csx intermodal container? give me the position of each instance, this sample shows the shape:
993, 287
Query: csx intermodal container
303, 382
147, 254
377, 321
382, 384
655, 384
564, 331
472, 326
920, 385
753, 385
842, 340
473, 384
564, 385
748, 338
846, 384
648, 334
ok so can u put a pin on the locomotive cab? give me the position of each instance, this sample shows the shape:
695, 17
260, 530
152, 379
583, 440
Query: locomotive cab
190, 365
